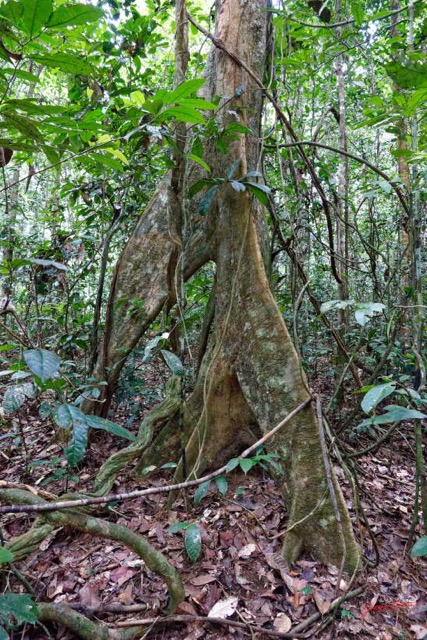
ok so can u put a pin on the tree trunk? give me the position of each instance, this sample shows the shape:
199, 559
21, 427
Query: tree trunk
250, 377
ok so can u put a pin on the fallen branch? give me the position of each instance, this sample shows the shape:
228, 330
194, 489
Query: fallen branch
118, 497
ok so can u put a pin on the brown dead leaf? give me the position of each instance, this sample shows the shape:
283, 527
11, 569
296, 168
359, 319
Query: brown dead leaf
247, 550
122, 575
321, 604
224, 608
89, 595
186, 608
419, 631
282, 623
126, 596
199, 581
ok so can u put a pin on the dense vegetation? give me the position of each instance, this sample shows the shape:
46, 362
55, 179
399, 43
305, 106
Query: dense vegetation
96, 108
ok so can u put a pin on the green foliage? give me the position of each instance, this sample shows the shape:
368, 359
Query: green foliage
420, 547
192, 538
15, 610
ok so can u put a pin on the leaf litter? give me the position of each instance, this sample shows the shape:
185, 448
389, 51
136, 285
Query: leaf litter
240, 574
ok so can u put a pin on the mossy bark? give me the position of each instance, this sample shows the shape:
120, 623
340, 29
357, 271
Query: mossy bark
250, 377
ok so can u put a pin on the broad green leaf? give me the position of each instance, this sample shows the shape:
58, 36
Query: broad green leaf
64, 62
12, 11
201, 491
5, 555
376, 395
236, 127
246, 464
3, 634
14, 397
182, 114
179, 526
395, 413
21, 74
21, 607
77, 446
199, 161
232, 464
411, 75
71, 15
35, 16
116, 429
206, 202
173, 362
198, 186
222, 484
44, 364
193, 542
233, 168
23, 125
118, 154
197, 103
420, 547
260, 191
357, 12
185, 89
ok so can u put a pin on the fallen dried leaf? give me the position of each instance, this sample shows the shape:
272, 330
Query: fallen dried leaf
282, 623
224, 608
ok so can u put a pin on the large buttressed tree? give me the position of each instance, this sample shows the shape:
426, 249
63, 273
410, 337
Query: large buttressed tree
250, 376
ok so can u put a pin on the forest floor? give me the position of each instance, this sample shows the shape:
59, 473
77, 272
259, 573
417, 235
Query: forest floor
240, 565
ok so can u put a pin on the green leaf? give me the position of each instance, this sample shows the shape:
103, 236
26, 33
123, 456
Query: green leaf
15, 397
232, 464
179, 526
206, 202
35, 16
116, 429
29, 16
21, 607
193, 542
236, 127
411, 75
186, 89
420, 547
222, 484
44, 364
198, 186
246, 464
69, 417
67, 16
5, 555
173, 362
232, 170
395, 413
376, 395
182, 114
260, 191
64, 62
201, 492
199, 161
197, 103
23, 125
3, 634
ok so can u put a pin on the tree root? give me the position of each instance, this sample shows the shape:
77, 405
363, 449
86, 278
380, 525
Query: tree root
160, 414
23, 545
153, 559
